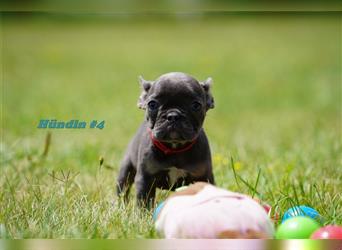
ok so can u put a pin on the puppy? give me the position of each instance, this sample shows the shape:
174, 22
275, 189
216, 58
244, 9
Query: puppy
170, 149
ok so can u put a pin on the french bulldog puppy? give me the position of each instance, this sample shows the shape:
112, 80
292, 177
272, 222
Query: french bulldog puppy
170, 149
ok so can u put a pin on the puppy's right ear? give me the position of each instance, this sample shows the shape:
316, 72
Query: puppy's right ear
207, 86
145, 86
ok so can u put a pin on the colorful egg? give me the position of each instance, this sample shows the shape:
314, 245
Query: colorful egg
299, 227
328, 232
157, 210
301, 211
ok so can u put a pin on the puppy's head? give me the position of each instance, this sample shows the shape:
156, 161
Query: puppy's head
175, 105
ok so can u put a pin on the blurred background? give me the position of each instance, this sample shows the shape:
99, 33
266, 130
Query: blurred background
276, 77
277, 89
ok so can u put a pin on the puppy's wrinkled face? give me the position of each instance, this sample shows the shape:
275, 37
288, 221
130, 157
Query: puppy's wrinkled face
175, 105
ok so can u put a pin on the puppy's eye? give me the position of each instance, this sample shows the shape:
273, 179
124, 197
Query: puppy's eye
152, 105
196, 106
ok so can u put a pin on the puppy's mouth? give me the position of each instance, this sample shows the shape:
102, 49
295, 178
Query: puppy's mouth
174, 135
174, 140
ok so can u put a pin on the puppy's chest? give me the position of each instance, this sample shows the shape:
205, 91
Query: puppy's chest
175, 173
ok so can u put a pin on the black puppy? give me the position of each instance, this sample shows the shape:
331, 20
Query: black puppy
170, 148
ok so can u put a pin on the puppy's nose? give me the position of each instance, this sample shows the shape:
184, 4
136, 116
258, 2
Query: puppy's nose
173, 116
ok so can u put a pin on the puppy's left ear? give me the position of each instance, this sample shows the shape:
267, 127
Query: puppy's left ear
145, 86
207, 87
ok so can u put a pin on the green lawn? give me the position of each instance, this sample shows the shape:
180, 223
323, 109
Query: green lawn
277, 88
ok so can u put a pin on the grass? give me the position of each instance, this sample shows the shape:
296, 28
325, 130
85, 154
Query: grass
275, 132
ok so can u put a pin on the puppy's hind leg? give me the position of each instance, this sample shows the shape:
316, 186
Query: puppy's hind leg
125, 178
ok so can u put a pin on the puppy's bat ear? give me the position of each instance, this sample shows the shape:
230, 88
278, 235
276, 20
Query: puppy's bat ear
207, 87
145, 86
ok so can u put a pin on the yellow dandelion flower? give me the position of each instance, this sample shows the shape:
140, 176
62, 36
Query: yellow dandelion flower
237, 165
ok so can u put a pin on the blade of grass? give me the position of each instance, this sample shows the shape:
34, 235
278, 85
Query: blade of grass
248, 185
256, 183
235, 175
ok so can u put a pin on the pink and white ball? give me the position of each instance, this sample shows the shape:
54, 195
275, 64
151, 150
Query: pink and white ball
205, 211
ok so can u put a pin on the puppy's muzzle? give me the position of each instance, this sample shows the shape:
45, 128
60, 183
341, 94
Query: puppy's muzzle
174, 117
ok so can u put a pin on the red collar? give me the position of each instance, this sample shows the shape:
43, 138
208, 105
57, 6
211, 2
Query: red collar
165, 149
